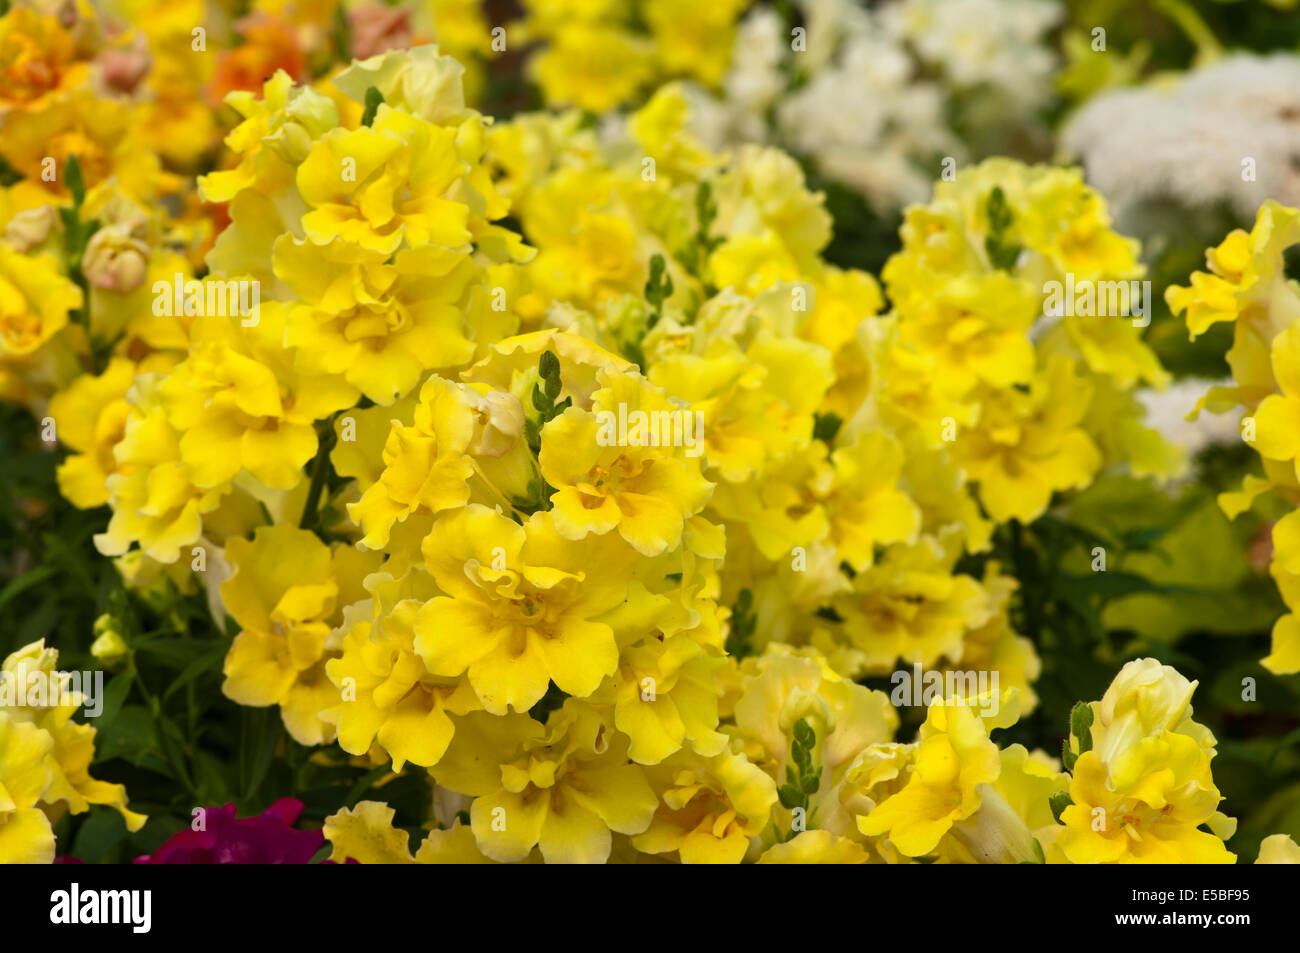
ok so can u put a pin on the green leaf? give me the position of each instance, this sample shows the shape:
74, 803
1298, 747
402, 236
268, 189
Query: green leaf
98, 835
263, 745
553, 700
374, 98
1080, 722
659, 286
172, 652
999, 213
826, 426
1287, 741
131, 738
1038, 854
801, 756
23, 583
339, 35
1068, 757
1059, 802
548, 366
365, 783
8, 174
119, 687
742, 627
207, 662
1002, 252
76, 183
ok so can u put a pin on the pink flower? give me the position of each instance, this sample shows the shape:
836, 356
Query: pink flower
377, 28
268, 838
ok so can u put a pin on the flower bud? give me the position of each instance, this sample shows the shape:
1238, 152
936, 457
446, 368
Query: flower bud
307, 117
30, 227
116, 260
109, 649
122, 69
499, 420
995, 833
1144, 699
377, 28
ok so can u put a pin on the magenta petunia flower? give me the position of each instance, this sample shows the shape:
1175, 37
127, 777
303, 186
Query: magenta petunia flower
268, 838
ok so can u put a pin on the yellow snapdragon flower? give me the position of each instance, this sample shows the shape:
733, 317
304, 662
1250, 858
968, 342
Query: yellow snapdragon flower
952, 775
1144, 788
97, 131
694, 39
388, 697
1246, 274
378, 324
285, 592
366, 834
593, 66
712, 810
426, 467
35, 299
562, 787
910, 605
524, 606
976, 328
25, 833
757, 404
276, 133
865, 506
1278, 849
666, 696
240, 403
38, 60
1027, 445
45, 759
384, 184
783, 687
1144, 807
155, 499
1277, 418
91, 416
604, 479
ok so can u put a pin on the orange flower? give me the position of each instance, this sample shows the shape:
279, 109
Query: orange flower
37, 59
268, 45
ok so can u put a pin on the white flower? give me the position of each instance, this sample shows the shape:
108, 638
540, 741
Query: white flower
998, 43
1186, 139
866, 99
1166, 412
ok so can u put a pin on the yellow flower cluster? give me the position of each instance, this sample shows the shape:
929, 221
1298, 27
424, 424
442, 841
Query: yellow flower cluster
1141, 787
1139, 792
600, 529
1247, 285
599, 54
45, 757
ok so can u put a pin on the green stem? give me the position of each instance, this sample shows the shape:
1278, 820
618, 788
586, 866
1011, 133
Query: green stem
319, 470
1193, 27
160, 733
